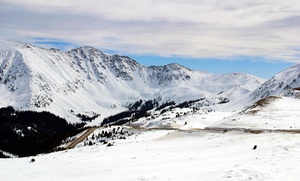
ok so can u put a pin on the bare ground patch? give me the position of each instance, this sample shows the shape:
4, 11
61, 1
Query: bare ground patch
255, 108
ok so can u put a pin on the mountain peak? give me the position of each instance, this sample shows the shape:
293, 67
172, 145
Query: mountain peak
86, 79
174, 66
285, 83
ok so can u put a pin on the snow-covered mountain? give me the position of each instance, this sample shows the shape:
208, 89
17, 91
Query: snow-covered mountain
285, 83
273, 105
87, 80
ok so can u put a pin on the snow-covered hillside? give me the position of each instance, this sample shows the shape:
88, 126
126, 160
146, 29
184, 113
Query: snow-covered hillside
271, 113
274, 105
88, 81
285, 83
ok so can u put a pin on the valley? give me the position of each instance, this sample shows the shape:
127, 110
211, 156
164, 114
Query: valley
127, 121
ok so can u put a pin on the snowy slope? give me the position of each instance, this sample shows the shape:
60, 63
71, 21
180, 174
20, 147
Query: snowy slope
86, 80
269, 113
168, 155
284, 83
274, 105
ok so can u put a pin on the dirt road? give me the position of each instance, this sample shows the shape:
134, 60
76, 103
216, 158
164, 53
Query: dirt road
81, 138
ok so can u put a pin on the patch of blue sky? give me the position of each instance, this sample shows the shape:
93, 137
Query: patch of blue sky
109, 51
54, 43
257, 66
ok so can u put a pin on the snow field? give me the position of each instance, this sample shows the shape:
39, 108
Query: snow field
169, 155
182, 119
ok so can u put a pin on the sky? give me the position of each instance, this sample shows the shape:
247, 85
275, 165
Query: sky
259, 37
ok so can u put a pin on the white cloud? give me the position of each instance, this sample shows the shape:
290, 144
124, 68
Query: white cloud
200, 29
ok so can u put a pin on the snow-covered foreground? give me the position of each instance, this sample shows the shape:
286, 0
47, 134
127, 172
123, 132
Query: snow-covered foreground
169, 155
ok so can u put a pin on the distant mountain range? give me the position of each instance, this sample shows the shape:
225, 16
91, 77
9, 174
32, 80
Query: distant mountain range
90, 82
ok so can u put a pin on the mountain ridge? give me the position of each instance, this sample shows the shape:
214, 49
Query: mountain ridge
285, 83
87, 80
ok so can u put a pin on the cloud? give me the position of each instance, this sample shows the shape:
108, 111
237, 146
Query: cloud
188, 28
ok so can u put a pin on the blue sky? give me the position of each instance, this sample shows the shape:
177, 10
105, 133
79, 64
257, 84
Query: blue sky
263, 69
251, 65
252, 36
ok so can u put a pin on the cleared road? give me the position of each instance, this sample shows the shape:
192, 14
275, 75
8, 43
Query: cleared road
81, 138
254, 131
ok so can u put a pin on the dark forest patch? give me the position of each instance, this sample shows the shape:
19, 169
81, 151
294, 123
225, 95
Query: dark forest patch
26, 133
